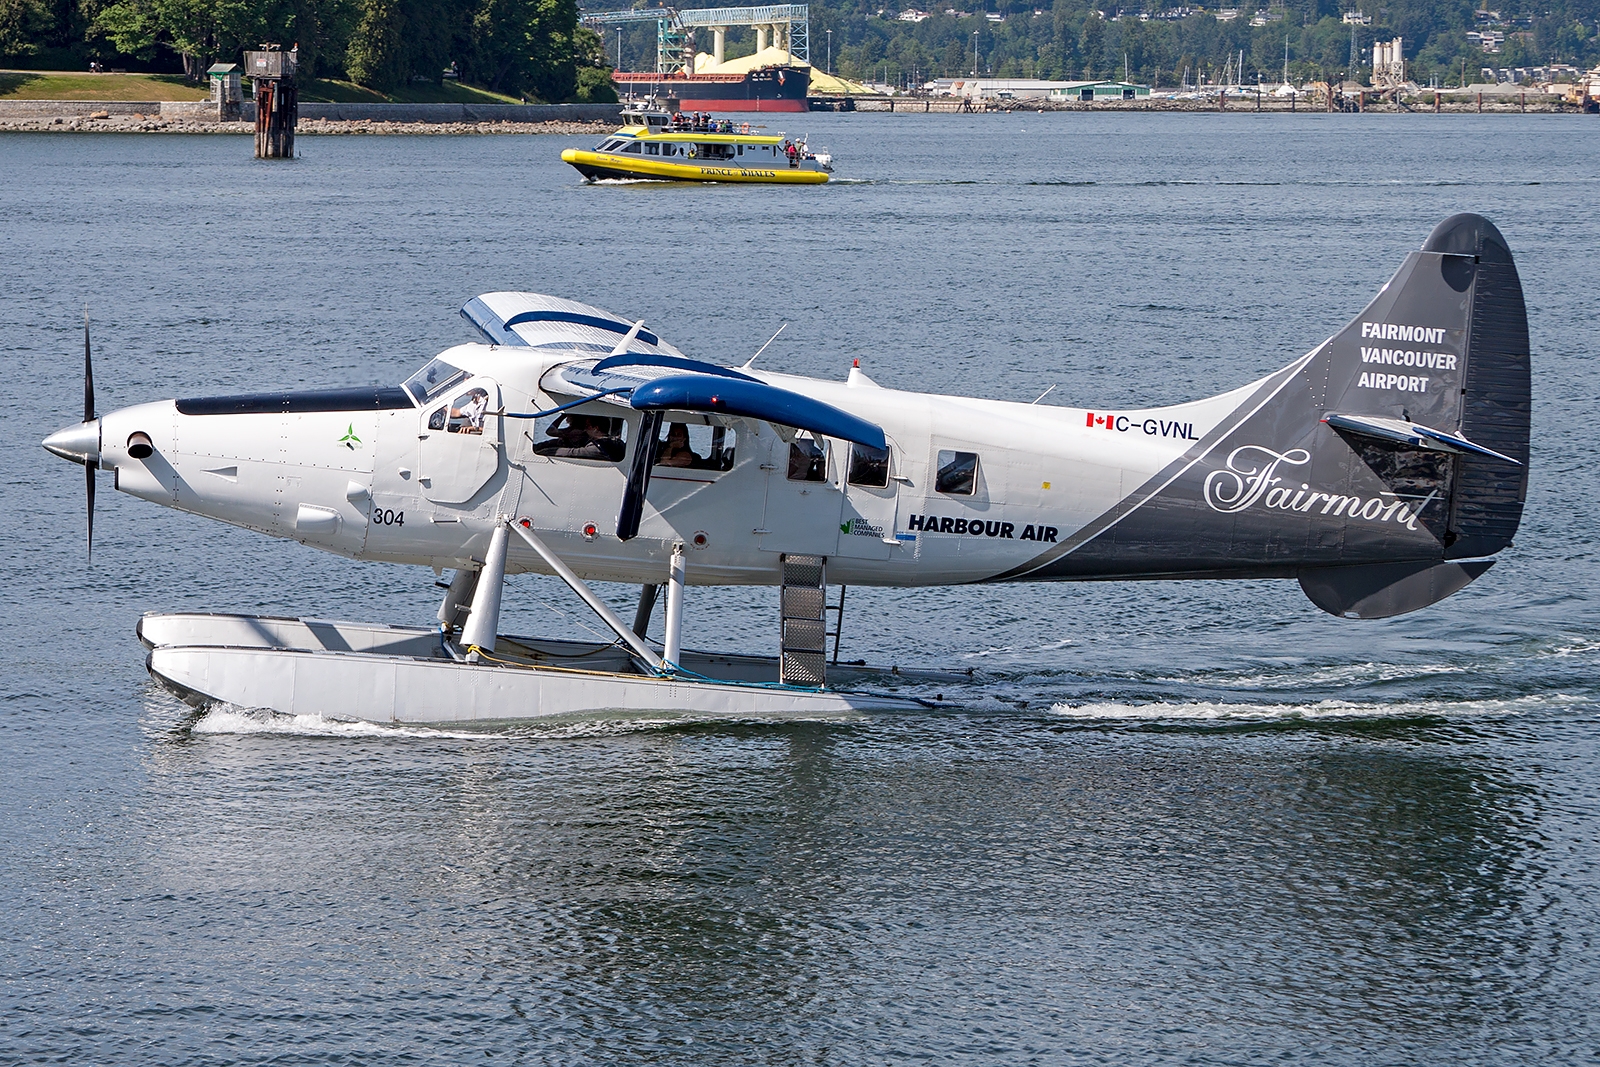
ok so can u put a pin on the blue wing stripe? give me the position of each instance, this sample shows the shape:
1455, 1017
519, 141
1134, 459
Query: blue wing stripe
582, 320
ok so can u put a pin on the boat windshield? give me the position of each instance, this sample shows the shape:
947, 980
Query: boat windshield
433, 379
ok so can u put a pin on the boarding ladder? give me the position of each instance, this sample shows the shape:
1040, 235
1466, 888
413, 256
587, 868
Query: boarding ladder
803, 646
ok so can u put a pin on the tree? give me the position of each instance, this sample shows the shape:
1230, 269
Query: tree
22, 24
376, 54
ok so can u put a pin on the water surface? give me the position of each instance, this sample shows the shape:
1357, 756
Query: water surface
1191, 823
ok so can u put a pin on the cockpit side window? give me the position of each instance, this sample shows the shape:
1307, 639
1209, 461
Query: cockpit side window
869, 466
808, 459
467, 412
432, 380
957, 473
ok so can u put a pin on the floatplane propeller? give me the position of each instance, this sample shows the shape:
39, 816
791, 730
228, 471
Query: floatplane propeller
1384, 470
81, 443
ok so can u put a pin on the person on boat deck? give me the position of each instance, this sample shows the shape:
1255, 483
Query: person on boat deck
471, 413
792, 152
675, 450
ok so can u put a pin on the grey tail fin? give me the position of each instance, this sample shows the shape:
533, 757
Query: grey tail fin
1454, 313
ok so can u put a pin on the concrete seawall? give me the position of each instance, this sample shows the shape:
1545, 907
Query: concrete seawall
203, 111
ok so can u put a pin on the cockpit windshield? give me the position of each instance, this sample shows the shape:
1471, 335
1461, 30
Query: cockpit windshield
433, 379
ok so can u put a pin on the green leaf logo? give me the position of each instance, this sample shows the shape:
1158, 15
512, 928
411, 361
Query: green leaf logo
844, 527
350, 440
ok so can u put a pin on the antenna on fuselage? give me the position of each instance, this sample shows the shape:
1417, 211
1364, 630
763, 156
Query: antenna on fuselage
1044, 394
751, 361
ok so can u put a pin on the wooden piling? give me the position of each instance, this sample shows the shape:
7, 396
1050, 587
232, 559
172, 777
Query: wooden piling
1436, 101
1480, 103
277, 99
277, 110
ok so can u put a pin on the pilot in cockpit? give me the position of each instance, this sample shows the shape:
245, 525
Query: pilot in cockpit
467, 415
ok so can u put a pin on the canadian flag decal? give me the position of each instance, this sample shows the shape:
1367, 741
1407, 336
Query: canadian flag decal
1108, 422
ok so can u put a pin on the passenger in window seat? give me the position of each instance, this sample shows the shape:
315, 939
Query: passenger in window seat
675, 451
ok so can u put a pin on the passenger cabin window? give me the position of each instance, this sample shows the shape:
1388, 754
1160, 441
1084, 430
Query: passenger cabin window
632, 146
652, 150
958, 473
464, 414
808, 459
869, 466
576, 436
695, 446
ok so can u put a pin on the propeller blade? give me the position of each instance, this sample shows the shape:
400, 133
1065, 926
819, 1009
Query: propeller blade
88, 415
88, 485
88, 372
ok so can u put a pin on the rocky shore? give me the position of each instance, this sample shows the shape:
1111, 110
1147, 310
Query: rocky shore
102, 122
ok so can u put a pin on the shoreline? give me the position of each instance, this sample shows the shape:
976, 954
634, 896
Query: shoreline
121, 116
140, 123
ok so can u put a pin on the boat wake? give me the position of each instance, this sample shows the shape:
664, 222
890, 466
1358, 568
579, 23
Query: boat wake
1316, 711
229, 719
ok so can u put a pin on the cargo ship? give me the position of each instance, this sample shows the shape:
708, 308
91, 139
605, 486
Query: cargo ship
764, 89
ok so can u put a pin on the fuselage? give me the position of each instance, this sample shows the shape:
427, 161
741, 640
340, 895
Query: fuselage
972, 488
1384, 469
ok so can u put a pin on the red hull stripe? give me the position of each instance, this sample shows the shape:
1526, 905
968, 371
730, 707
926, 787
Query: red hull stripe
763, 106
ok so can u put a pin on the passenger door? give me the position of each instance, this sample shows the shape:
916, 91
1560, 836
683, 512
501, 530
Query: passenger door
871, 501
803, 498
459, 442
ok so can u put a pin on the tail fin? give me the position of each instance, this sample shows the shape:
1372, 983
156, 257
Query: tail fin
1380, 470
1443, 349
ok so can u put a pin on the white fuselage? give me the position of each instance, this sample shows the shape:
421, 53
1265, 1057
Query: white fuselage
385, 485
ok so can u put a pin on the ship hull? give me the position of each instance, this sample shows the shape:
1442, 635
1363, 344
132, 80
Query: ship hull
599, 165
772, 89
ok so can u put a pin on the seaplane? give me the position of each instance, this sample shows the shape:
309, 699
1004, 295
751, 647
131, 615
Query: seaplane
1383, 470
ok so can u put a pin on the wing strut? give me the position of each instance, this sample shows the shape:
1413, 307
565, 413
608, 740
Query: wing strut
644, 454
607, 616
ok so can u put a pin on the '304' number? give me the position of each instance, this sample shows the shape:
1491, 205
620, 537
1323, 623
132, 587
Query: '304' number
388, 517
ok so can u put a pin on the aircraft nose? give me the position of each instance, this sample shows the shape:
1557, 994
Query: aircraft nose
80, 443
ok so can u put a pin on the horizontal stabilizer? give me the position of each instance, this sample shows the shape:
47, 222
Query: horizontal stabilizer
1409, 434
755, 400
1379, 590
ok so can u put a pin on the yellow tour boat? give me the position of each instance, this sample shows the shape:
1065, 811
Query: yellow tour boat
680, 147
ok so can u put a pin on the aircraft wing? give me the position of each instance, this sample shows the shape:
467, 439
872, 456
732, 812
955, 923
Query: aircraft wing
534, 320
659, 383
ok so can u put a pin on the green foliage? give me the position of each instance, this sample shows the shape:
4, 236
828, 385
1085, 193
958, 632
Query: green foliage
512, 47
22, 24
1070, 39
595, 86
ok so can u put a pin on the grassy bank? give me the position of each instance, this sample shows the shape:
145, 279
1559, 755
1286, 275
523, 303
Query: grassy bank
64, 85
73, 85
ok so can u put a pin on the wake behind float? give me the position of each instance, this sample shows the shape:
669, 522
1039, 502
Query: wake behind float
654, 145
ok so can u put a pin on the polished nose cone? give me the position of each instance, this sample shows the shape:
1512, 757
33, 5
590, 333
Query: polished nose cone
80, 443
